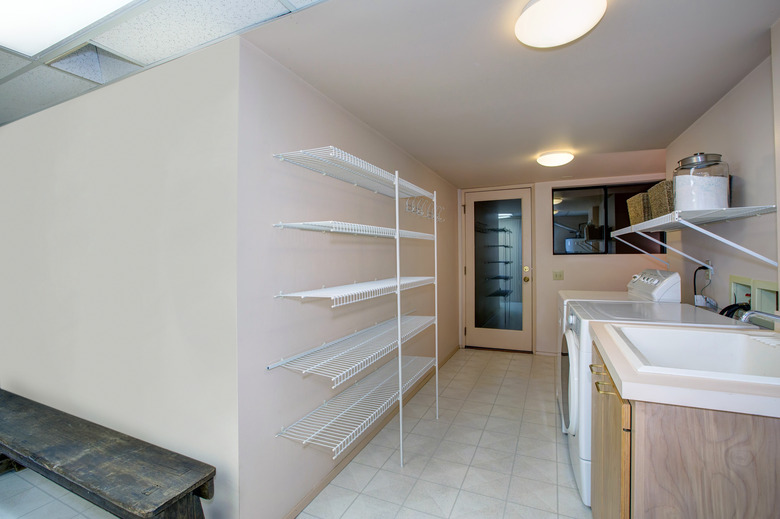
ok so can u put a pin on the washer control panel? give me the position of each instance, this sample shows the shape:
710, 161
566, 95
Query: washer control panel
656, 285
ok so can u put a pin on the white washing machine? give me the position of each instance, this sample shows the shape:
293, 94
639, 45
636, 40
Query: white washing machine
650, 286
576, 408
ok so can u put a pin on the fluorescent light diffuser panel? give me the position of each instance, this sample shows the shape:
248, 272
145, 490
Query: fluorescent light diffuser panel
175, 26
32, 26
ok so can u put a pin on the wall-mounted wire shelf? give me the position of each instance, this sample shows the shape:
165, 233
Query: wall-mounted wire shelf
674, 220
344, 358
353, 228
339, 164
502, 278
677, 220
340, 421
500, 293
348, 294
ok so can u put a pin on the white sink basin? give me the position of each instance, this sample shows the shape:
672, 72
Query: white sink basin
702, 352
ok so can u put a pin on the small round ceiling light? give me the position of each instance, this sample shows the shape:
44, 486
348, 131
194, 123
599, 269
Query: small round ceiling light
551, 23
552, 159
557, 200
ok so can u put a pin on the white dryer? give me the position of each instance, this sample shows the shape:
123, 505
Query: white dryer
576, 381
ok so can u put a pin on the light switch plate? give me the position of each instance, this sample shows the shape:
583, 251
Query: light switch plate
557, 275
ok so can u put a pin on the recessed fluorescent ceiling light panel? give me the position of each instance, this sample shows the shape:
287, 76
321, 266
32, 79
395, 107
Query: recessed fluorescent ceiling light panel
32, 26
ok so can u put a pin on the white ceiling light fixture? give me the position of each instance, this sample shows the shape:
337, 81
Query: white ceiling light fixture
557, 200
551, 23
553, 159
32, 26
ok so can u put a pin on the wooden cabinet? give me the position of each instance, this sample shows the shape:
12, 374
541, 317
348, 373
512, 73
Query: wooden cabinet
653, 460
611, 447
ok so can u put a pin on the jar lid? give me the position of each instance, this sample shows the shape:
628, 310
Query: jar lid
699, 159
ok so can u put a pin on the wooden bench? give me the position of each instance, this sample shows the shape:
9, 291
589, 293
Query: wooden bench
121, 474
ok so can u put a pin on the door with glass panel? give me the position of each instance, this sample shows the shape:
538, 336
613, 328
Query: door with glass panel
498, 269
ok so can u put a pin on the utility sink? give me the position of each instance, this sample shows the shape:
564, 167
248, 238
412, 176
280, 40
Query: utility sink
745, 356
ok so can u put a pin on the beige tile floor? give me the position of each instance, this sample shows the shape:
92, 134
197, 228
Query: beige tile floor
31, 496
496, 450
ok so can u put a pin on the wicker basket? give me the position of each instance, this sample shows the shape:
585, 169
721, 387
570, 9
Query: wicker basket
638, 208
661, 199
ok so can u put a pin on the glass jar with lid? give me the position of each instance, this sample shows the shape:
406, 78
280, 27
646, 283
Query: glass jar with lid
701, 181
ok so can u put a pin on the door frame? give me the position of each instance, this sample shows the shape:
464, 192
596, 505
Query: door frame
462, 230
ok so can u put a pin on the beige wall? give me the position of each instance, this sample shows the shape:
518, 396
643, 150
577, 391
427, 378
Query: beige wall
740, 127
117, 212
279, 112
581, 272
776, 101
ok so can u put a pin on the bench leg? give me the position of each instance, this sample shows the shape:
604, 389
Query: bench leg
188, 507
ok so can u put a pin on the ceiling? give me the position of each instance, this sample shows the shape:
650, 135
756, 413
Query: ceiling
447, 81
143, 34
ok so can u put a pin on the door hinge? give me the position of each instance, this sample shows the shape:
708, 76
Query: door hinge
464, 208
464, 271
464, 330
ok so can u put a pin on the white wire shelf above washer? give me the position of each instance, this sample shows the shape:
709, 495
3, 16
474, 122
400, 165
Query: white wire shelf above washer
348, 294
344, 358
674, 220
339, 164
341, 420
677, 220
353, 228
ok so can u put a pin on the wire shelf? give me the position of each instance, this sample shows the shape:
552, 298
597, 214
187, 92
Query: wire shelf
348, 294
353, 228
341, 420
339, 164
344, 358
672, 221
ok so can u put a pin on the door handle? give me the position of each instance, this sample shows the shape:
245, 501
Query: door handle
597, 369
526, 279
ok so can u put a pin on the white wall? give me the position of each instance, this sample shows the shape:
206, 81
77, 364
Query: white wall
740, 127
117, 214
581, 272
279, 113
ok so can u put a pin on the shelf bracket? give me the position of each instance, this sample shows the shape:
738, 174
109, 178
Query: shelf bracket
681, 253
643, 251
727, 242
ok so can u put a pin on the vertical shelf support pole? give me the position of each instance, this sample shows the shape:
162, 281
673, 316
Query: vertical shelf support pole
398, 319
436, 296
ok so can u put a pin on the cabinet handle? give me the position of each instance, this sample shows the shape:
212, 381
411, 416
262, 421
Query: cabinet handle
599, 385
597, 369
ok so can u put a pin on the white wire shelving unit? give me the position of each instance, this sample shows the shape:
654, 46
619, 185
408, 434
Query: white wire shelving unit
342, 419
344, 358
353, 229
678, 220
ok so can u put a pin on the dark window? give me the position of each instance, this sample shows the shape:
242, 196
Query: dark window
584, 217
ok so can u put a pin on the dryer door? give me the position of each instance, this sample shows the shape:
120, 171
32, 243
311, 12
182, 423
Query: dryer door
569, 381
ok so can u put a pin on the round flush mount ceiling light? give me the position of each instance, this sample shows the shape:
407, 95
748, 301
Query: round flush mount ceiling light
550, 23
552, 159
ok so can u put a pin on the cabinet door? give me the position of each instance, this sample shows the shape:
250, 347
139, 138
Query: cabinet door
611, 447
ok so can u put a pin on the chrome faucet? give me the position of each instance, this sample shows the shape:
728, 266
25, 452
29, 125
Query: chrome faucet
764, 315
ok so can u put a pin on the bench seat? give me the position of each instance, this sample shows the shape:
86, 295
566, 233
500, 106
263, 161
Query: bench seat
123, 475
